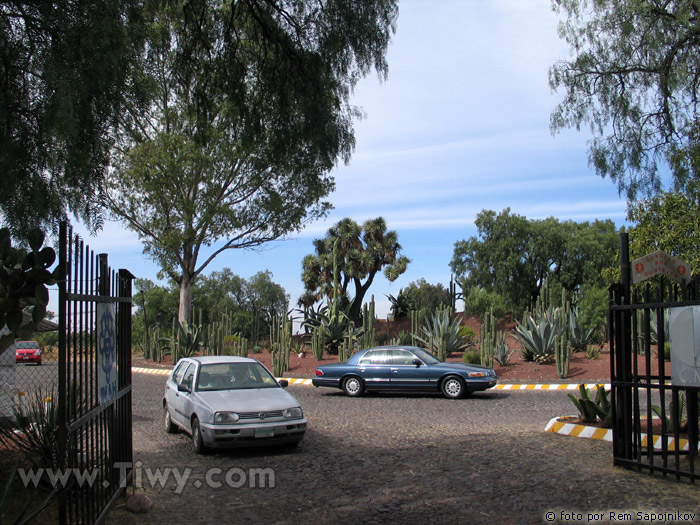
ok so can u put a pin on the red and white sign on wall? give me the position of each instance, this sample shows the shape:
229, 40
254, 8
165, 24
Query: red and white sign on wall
659, 262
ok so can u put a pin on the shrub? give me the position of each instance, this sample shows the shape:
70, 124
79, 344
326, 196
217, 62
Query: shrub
472, 357
593, 352
592, 410
479, 301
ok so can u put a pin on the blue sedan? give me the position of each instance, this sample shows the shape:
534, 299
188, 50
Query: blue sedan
403, 368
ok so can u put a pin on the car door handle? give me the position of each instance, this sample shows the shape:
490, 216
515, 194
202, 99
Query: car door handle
394, 369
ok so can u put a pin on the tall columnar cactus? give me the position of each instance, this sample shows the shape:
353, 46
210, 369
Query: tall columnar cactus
345, 349
280, 345
415, 327
317, 342
367, 339
488, 339
562, 353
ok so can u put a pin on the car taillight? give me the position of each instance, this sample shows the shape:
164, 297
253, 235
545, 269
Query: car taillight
319, 372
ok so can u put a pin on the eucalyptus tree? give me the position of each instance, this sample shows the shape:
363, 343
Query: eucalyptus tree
362, 252
64, 77
249, 114
634, 80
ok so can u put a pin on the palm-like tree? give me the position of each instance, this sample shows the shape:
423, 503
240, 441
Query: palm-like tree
363, 251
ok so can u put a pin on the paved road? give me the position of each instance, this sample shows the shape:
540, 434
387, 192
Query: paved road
398, 459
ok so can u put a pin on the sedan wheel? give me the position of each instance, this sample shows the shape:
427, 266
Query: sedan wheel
353, 386
170, 427
453, 387
197, 442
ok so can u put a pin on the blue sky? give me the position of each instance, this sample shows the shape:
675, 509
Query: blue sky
461, 125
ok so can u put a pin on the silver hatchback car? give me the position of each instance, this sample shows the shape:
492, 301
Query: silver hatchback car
224, 401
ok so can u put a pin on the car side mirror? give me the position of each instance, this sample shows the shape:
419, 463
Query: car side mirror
416, 362
284, 383
183, 388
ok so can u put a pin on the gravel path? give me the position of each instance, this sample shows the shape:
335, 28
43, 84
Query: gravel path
399, 459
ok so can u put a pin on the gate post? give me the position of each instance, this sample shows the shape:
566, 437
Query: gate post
622, 382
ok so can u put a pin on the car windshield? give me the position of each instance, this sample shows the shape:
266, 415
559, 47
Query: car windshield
27, 344
234, 376
424, 356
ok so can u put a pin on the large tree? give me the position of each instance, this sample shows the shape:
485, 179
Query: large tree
669, 221
634, 80
250, 113
362, 252
64, 76
513, 255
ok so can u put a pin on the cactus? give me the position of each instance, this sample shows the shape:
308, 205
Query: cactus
345, 349
367, 339
488, 339
280, 345
317, 338
562, 354
415, 327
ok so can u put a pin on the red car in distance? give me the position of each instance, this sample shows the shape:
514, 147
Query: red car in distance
28, 352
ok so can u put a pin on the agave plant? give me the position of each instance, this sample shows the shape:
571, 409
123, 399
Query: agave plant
592, 410
538, 337
442, 335
580, 336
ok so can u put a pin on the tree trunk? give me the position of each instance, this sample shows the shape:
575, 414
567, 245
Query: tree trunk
185, 309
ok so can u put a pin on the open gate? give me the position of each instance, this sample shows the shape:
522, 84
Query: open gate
94, 382
655, 423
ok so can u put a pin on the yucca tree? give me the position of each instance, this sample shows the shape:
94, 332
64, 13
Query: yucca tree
363, 251
441, 334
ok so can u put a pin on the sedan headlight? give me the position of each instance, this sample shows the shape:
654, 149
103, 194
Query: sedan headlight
223, 418
478, 374
293, 413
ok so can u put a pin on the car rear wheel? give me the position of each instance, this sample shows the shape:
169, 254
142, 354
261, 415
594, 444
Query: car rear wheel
170, 427
353, 386
197, 442
454, 387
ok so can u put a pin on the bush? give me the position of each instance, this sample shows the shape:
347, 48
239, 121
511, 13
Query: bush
479, 301
472, 357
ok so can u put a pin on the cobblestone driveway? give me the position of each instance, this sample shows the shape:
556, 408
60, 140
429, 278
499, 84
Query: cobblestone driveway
398, 458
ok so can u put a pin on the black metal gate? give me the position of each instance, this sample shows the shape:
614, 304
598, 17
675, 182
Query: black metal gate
655, 424
94, 382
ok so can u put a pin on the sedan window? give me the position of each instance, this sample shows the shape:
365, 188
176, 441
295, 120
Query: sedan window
187, 379
179, 372
376, 357
234, 376
402, 357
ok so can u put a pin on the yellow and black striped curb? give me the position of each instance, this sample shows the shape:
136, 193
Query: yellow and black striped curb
503, 386
606, 434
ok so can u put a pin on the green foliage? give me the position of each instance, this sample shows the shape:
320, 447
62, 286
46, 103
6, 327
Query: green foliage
674, 416
401, 305
427, 298
478, 301
592, 308
593, 410
65, 72
592, 352
632, 80
580, 336
490, 338
402, 338
537, 336
669, 221
362, 252
502, 353
472, 357
512, 256
441, 334
24, 277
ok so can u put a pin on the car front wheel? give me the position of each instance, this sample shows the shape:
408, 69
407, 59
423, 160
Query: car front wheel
170, 427
353, 386
454, 387
197, 442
